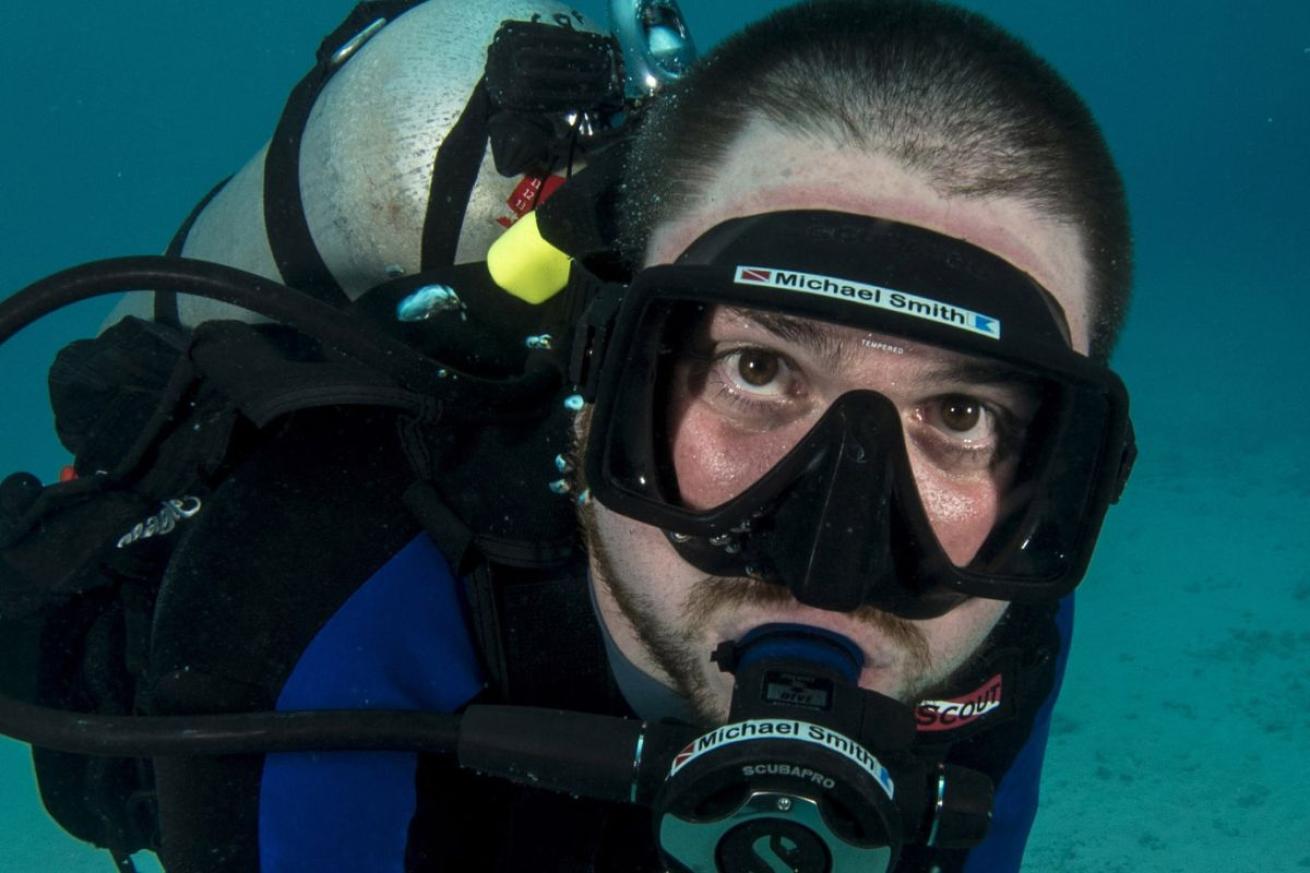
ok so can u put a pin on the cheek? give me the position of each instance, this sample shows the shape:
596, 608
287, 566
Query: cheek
715, 462
639, 559
954, 637
961, 514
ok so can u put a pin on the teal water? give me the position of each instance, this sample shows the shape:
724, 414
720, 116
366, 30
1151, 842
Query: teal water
1182, 740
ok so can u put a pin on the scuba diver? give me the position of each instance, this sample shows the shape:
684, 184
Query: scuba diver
724, 516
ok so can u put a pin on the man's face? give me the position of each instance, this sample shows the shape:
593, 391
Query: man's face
762, 387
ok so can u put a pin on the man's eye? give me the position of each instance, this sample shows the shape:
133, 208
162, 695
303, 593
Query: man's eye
756, 372
960, 414
756, 367
962, 419
963, 433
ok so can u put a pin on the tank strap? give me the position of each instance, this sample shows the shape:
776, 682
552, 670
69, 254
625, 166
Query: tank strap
529, 605
297, 257
454, 173
166, 311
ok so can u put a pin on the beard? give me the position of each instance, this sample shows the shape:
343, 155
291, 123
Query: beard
678, 647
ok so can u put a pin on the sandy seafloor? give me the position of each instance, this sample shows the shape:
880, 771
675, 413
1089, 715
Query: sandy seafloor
1182, 739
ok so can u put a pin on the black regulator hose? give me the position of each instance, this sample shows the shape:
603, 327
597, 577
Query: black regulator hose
138, 736
602, 757
810, 773
333, 327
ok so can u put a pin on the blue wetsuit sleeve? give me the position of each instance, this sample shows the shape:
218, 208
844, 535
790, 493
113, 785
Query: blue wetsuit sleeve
399, 642
1015, 805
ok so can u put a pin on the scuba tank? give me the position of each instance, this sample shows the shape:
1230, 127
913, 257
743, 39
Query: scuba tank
354, 159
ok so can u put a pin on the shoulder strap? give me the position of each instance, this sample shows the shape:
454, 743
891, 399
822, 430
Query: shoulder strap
486, 501
297, 257
265, 383
538, 633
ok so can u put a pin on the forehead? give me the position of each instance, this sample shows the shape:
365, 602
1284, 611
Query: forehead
767, 170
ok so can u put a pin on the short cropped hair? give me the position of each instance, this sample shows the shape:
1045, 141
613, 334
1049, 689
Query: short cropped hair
942, 90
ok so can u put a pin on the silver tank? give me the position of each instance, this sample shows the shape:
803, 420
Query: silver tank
366, 157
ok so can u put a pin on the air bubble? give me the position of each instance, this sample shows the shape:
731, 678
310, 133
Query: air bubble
574, 403
428, 301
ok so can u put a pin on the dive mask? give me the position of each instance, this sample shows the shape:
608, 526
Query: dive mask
863, 411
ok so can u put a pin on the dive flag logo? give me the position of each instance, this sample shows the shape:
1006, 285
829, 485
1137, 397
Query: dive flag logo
688, 752
748, 274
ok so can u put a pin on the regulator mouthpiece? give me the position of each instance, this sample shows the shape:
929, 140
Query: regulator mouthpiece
792, 642
811, 773
657, 45
790, 782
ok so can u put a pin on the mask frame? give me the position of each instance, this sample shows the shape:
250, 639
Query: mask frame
843, 268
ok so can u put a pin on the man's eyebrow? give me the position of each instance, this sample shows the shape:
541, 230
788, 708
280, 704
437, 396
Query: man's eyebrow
818, 338
978, 372
837, 353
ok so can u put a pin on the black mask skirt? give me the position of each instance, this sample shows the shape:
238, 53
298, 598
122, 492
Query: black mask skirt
863, 411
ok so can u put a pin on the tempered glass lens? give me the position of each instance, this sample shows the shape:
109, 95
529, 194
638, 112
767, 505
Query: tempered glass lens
729, 391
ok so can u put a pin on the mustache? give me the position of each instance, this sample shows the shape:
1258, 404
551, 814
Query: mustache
712, 594
716, 594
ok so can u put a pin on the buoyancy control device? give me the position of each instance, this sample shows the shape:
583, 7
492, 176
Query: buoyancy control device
157, 411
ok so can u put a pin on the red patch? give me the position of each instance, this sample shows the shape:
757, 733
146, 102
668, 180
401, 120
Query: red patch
683, 756
755, 276
946, 715
528, 194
